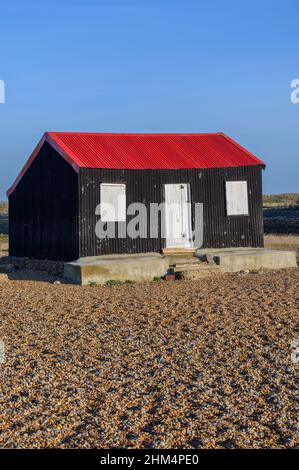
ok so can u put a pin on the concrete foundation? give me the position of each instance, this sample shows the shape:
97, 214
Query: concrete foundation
250, 259
101, 269
144, 267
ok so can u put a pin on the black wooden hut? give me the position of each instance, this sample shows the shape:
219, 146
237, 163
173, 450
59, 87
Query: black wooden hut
53, 204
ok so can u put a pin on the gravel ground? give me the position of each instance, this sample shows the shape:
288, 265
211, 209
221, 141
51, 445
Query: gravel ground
203, 364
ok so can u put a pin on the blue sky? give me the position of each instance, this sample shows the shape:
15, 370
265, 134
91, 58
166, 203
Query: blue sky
152, 66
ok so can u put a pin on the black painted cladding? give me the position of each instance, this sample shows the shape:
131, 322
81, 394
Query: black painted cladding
43, 210
52, 210
147, 186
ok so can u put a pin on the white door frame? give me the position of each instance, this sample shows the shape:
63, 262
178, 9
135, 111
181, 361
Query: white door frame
178, 223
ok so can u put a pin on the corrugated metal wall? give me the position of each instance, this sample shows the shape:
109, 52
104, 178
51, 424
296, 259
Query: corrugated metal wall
49, 220
43, 210
147, 186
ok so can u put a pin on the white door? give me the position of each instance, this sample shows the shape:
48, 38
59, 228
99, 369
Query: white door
178, 216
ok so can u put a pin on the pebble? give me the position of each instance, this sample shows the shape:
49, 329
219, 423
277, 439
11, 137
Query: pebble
189, 364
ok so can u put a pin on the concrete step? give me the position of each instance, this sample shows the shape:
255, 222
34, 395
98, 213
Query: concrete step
187, 266
179, 252
196, 267
174, 261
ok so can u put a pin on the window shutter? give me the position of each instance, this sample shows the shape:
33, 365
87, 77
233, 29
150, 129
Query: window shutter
236, 198
113, 202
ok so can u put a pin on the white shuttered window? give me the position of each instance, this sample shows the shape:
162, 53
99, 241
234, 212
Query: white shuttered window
113, 202
237, 198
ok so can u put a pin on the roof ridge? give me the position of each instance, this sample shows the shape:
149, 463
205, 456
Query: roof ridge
145, 134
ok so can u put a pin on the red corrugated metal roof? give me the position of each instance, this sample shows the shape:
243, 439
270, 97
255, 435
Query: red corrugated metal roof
146, 151
154, 151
